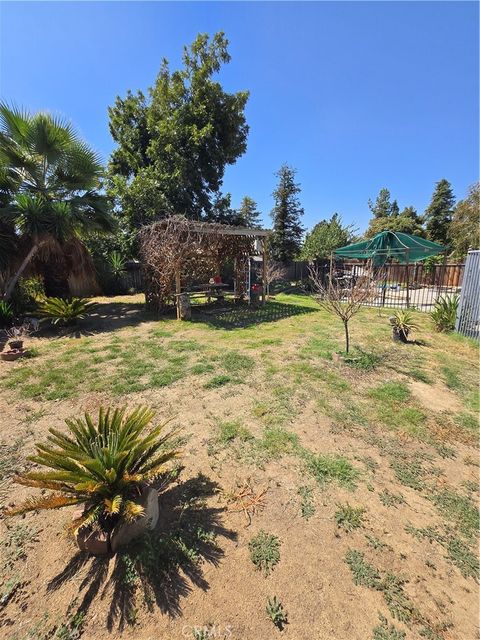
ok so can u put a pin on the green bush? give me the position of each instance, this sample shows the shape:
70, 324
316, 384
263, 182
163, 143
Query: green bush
27, 294
6, 313
102, 465
65, 312
444, 313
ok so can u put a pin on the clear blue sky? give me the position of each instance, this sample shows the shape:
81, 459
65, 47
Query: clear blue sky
356, 96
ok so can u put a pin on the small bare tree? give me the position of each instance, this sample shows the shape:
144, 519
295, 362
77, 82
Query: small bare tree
344, 296
275, 272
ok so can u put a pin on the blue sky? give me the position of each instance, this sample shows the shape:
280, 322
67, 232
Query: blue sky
355, 95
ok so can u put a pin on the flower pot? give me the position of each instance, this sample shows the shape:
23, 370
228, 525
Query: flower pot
125, 532
399, 336
98, 542
13, 354
16, 345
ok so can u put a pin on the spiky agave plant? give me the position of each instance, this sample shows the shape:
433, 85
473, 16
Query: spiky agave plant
103, 465
403, 323
65, 312
444, 314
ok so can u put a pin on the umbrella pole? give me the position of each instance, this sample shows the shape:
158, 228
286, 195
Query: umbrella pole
384, 288
407, 278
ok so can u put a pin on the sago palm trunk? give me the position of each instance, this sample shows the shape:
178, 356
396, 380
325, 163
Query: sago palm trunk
15, 278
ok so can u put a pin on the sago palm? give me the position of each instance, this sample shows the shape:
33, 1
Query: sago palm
65, 312
49, 187
102, 465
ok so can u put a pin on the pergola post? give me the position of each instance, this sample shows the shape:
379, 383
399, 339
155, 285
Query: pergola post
178, 288
264, 270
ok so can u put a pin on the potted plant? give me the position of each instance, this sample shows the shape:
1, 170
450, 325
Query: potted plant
107, 468
402, 324
17, 335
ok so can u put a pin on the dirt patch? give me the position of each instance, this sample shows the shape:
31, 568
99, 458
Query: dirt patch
435, 397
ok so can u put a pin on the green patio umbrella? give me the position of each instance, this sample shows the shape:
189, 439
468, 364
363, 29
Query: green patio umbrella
391, 244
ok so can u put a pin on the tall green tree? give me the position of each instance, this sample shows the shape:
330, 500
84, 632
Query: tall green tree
325, 237
248, 214
464, 232
382, 207
286, 214
438, 215
50, 181
173, 147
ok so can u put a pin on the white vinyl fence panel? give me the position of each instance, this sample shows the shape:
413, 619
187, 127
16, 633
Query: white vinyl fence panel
468, 316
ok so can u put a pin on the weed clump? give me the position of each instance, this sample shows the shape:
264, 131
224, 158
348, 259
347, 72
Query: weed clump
264, 551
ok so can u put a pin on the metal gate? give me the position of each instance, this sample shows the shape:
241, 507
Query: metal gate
468, 316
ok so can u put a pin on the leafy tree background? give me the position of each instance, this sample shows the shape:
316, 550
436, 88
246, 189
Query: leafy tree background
464, 231
287, 234
173, 147
325, 237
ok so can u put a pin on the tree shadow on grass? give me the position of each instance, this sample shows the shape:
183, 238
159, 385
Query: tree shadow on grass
161, 566
242, 316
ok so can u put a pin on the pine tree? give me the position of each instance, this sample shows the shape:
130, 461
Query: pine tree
287, 229
438, 214
382, 206
248, 215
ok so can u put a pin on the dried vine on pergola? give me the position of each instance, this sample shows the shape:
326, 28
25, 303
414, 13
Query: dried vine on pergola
177, 252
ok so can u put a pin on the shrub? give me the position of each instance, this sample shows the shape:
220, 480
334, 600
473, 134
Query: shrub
444, 313
102, 465
65, 312
6, 313
27, 294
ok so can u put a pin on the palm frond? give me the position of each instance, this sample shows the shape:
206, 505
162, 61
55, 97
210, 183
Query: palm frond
14, 122
54, 501
132, 511
113, 506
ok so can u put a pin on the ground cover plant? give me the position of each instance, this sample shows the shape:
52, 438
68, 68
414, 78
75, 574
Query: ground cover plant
363, 475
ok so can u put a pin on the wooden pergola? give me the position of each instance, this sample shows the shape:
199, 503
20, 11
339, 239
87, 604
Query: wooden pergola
177, 252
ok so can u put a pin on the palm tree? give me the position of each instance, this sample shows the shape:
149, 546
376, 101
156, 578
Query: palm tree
49, 190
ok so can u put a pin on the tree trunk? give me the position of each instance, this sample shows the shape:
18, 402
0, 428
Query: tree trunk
13, 281
347, 337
